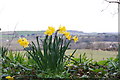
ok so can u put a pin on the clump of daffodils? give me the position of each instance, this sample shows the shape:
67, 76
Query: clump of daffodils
23, 42
54, 48
61, 30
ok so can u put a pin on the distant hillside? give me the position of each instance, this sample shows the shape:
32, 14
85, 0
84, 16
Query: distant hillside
10, 33
74, 31
86, 40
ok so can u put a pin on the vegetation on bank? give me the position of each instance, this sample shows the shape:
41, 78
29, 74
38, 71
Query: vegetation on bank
51, 60
21, 66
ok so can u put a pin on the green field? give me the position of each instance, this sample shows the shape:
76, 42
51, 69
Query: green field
96, 55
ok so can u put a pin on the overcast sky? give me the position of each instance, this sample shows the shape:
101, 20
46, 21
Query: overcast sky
81, 15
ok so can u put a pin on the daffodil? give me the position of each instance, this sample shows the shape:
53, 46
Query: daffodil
51, 28
68, 37
48, 32
75, 38
9, 78
22, 39
62, 29
23, 42
66, 33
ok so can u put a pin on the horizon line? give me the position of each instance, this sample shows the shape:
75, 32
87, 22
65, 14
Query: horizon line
67, 30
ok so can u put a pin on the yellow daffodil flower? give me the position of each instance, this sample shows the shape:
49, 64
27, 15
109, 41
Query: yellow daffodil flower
51, 28
75, 38
9, 78
22, 39
66, 33
23, 42
62, 29
48, 32
68, 37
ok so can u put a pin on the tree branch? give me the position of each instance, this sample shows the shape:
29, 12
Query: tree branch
113, 1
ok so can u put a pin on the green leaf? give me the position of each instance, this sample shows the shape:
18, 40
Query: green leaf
103, 62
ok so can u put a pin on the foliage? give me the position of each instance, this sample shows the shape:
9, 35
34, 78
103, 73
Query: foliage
17, 64
14, 64
83, 67
52, 59
3, 50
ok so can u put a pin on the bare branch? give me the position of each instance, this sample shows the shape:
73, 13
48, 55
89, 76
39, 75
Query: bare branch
118, 2
113, 1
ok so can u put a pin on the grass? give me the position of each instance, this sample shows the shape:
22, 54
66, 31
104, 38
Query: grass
96, 55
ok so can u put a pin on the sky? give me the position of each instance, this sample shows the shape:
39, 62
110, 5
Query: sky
80, 15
